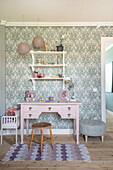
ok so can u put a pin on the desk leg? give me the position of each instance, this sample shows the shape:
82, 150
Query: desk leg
27, 126
22, 127
77, 125
74, 127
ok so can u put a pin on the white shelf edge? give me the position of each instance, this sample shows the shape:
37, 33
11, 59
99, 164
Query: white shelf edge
47, 52
47, 65
47, 78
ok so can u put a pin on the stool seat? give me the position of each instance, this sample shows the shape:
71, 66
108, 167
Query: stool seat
89, 127
41, 126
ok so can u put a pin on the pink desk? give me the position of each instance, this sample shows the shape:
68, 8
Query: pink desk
32, 110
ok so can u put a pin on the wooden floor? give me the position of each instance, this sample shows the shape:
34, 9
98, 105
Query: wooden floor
101, 154
109, 122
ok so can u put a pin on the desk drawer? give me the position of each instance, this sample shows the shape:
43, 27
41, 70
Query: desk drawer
50, 108
68, 112
34, 111
30, 112
31, 115
30, 108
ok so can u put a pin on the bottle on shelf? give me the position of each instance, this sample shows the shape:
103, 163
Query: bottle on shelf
58, 60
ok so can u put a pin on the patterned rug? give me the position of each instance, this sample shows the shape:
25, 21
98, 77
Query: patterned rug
61, 152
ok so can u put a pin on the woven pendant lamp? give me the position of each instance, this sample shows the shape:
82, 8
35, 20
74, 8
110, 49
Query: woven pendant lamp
38, 42
23, 47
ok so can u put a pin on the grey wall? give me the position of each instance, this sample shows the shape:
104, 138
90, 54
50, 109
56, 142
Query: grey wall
109, 101
2, 70
83, 59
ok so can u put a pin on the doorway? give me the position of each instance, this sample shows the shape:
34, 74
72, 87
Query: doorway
104, 42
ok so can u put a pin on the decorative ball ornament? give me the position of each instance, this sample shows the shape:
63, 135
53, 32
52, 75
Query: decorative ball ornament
23, 48
38, 42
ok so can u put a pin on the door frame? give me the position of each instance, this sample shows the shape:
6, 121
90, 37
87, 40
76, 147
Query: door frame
104, 41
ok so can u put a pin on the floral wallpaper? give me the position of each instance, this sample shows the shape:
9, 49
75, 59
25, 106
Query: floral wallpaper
83, 59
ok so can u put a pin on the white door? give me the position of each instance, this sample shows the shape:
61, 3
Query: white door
104, 42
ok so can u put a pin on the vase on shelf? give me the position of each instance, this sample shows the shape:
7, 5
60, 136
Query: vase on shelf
59, 47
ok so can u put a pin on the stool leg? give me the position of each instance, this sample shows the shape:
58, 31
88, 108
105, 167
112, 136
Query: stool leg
102, 138
31, 140
51, 138
41, 141
86, 138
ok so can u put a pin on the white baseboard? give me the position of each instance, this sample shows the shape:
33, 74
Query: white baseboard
109, 112
46, 131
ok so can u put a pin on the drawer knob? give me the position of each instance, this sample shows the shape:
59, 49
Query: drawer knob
69, 115
69, 108
30, 115
49, 108
30, 108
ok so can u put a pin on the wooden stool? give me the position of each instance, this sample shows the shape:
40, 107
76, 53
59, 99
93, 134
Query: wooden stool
41, 126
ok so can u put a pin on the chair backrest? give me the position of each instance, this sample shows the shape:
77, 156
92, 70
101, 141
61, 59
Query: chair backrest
9, 121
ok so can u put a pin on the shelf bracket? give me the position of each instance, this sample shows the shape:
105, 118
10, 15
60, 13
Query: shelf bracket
32, 68
33, 83
33, 59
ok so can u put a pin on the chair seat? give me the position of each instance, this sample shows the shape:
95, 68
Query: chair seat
41, 125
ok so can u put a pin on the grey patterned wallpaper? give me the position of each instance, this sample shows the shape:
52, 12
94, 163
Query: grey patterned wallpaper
83, 59
2, 69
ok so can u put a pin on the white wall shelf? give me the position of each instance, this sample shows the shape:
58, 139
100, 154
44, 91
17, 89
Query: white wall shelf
47, 78
47, 52
47, 65
34, 65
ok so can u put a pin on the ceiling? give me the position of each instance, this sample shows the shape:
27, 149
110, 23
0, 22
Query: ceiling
56, 10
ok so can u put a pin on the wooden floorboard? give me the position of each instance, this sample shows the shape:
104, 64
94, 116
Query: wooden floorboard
109, 122
101, 154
